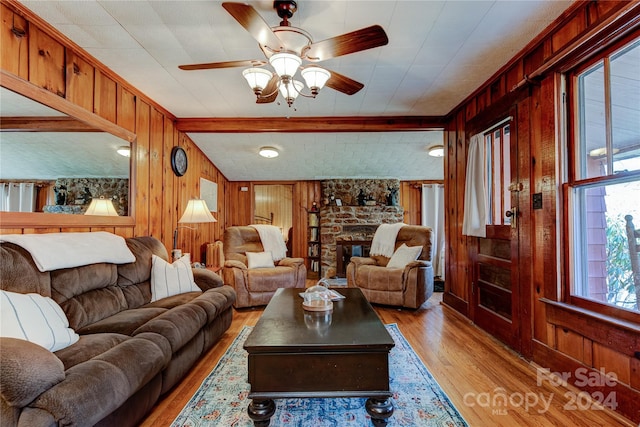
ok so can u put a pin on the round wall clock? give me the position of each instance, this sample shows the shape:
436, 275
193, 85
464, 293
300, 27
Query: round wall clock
178, 161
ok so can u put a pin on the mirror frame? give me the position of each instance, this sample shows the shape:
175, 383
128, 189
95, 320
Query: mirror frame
47, 220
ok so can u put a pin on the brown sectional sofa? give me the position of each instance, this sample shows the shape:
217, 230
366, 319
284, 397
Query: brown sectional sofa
131, 351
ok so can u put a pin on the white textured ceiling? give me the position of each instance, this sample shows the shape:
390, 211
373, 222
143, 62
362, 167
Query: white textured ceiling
438, 53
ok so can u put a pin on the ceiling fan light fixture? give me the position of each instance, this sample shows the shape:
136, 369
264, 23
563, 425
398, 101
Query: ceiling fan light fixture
285, 64
436, 151
316, 78
290, 89
269, 152
257, 78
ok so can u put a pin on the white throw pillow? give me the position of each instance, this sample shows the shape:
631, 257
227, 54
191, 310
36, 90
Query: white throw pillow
404, 255
35, 318
171, 279
260, 260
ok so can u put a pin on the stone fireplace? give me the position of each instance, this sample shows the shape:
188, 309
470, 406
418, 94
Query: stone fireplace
351, 224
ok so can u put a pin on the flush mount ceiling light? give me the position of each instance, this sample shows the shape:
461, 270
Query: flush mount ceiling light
436, 151
269, 152
124, 150
285, 47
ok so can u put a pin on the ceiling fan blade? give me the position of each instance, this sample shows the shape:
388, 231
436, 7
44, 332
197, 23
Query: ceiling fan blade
343, 83
355, 41
270, 91
228, 64
251, 20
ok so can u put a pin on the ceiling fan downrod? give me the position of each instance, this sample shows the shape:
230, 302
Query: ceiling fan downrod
285, 10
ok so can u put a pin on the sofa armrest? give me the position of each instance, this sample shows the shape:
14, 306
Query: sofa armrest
418, 263
290, 262
235, 264
358, 261
206, 279
26, 371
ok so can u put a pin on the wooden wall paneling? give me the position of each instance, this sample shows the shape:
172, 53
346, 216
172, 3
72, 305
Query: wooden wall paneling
46, 61
239, 203
167, 187
613, 361
569, 31
538, 219
570, 343
142, 167
80, 81
464, 276
105, 102
525, 123
126, 109
14, 49
156, 175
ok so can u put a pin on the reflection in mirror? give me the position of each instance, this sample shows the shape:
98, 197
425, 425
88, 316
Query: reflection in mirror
57, 171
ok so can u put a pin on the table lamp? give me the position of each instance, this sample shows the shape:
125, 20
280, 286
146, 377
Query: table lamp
196, 212
102, 207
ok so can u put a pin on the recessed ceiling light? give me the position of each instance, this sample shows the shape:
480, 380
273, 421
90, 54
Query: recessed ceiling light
436, 151
269, 152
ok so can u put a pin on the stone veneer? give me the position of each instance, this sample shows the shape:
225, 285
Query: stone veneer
341, 222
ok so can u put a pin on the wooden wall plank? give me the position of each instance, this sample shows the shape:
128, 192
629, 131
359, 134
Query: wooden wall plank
156, 174
142, 168
14, 49
46, 62
80, 81
105, 102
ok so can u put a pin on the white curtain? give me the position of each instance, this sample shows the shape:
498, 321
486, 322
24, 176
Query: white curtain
433, 216
474, 220
18, 197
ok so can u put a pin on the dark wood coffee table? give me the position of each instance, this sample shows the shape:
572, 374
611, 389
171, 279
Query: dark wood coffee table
294, 353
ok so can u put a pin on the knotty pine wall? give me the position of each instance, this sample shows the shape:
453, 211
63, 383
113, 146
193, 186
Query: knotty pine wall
556, 338
32, 50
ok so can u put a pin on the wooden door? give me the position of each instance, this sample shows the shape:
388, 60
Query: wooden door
496, 287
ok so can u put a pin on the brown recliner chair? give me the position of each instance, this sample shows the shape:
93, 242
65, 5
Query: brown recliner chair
256, 286
409, 287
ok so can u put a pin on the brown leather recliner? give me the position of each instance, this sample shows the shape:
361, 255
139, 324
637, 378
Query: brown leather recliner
409, 287
256, 286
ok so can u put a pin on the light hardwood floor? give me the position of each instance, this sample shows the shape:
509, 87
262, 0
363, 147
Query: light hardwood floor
472, 368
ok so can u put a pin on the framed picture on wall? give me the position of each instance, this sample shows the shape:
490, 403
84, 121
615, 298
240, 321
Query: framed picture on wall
209, 193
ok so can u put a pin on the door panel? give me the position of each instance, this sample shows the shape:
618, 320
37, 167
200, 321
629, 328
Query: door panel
496, 285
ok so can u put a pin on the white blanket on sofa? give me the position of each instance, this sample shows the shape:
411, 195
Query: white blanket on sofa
52, 251
272, 240
384, 239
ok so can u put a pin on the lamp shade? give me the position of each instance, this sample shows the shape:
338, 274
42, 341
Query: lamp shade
102, 207
257, 78
196, 212
315, 77
285, 64
290, 90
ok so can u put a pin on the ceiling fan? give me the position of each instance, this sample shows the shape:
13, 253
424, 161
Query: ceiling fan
286, 47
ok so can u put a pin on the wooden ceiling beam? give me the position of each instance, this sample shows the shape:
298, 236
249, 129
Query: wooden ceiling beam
44, 124
310, 124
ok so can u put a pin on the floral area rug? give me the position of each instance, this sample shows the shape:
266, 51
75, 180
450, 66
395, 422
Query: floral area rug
418, 400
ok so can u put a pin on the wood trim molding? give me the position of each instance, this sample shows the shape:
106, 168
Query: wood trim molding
44, 124
619, 335
310, 124
15, 220
626, 398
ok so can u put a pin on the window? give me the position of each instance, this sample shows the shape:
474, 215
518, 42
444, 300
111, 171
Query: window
604, 177
498, 174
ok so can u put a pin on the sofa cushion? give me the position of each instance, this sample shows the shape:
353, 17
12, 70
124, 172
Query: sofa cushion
268, 279
380, 278
27, 370
124, 322
20, 274
88, 347
177, 325
171, 279
36, 319
87, 294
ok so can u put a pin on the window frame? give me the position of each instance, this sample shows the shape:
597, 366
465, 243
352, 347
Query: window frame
570, 165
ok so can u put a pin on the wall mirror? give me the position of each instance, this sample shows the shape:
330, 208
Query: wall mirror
56, 157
